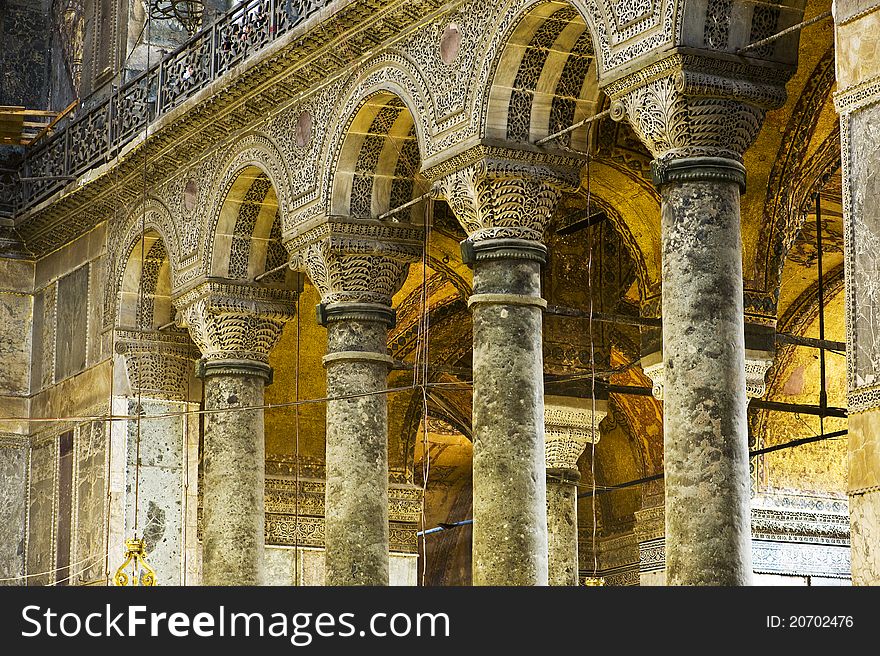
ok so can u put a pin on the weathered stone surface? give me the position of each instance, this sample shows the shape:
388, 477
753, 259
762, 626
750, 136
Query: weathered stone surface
357, 454
234, 456
704, 409
41, 514
13, 481
510, 505
16, 313
160, 484
562, 529
865, 537
282, 565
90, 477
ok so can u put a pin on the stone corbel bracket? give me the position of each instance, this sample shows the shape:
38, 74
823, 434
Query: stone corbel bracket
355, 260
498, 192
235, 320
570, 423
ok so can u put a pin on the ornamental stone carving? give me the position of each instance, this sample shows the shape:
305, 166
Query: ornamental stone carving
570, 424
503, 193
158, 364
235, 320
688, 106
355, 260
758, 363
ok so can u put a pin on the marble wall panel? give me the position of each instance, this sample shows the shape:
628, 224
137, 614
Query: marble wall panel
71, 323
158, 486
13, 487
41, 514
90, 494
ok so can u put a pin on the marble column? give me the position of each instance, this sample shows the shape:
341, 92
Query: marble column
570, 424
709, 119
357, 266
704, 408
858, 102
504, 199
356, 508
235, 325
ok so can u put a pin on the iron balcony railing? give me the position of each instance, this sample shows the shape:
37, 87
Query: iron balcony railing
96, 135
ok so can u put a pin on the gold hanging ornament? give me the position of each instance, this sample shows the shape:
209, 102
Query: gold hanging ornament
594, 580
136, 556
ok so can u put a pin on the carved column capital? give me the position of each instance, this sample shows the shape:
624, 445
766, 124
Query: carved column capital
232, 321
355, 260
570, 423
698, 114
158, 364
503, 193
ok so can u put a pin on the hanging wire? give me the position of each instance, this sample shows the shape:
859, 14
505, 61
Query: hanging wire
592, 359
90, 560
422, 354
296, 558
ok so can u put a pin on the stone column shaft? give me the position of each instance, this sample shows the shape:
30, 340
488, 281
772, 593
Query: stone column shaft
356, 515
510, 511
562, 526
233, 534
570, 424
235, 325
704, 409
358, 266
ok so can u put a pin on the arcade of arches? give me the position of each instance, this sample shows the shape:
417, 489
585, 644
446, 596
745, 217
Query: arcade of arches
343, 314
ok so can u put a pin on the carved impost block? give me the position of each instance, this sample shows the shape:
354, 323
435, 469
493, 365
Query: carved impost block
232, 320
355, 260
504, 193
158, 364
570, 423
704, 110
758, 363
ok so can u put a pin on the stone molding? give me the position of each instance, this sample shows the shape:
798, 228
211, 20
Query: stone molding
857, 96
295, 513
758, 363
355, 260
803, 536
504, 193
233, 320
570, 424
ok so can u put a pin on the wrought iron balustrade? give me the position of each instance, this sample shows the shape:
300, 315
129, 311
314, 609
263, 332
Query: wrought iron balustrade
95, 136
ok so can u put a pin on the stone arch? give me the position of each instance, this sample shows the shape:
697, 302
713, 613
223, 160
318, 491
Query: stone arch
543, 79
150, 217
372, 154
541, 58
251, 196
789, 181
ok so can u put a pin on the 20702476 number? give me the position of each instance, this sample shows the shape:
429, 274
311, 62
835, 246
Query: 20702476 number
820, 621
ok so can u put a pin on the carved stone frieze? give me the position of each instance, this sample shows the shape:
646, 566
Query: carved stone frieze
355, 260
501, 193
159, 364
570, 424
235, 320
